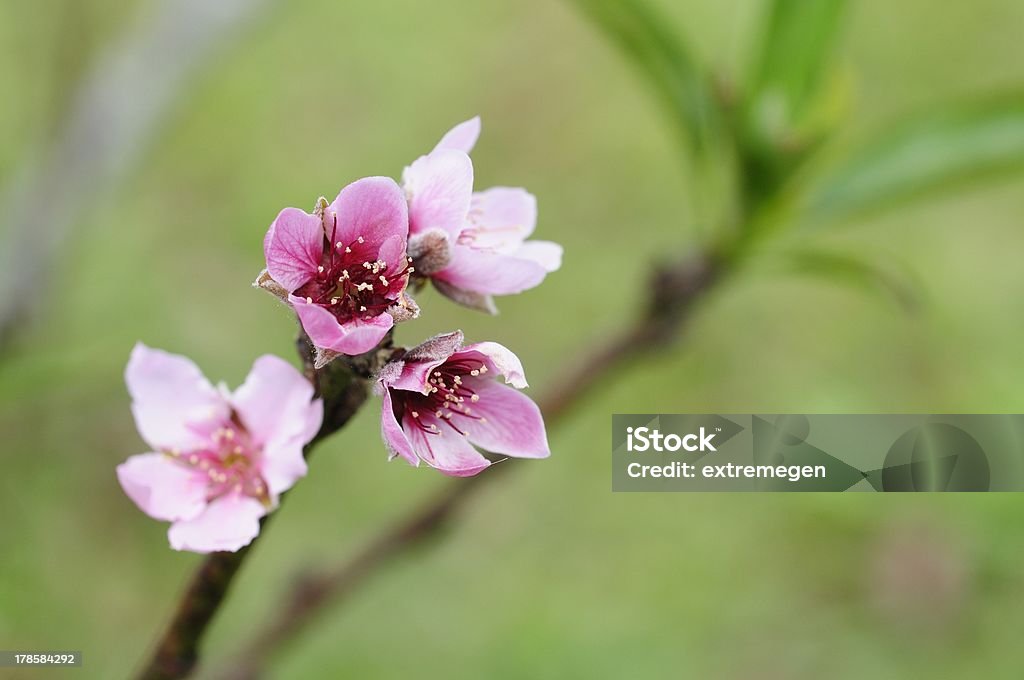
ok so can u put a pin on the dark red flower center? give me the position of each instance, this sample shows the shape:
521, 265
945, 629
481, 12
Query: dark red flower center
352, 282
451, 400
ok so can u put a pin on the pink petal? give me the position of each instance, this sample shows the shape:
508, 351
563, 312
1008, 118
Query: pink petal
503, 217
373, 208
274, 401
229, 523
392, 252
277, 407
293, 247
462, 137
449, 452
395, 440
162, 488
283, 464
352, 337
544, 253
440, 187
513, 424
498, 358
171, 400
419, 361
490, 273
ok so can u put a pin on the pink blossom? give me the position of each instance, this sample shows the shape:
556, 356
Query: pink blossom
472, 245
441, 399
344, 269
219, 460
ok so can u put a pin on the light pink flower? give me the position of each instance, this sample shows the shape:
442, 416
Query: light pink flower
441, 398
220, 460
472, 245
344, 269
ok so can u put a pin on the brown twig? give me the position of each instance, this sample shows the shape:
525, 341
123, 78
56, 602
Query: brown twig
674, 290
344, 387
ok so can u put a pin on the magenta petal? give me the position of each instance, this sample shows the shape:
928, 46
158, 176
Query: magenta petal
462, 137
373, 208
499, 359
448, 452
161, 488
505, 216
395, 440
170, 398
293, 247
274, 401
440, 187
228, 523
490, 273
419, 361
352, 337
414, 375
392, 252
512, 423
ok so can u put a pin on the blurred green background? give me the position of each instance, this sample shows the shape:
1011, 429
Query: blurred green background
547, 574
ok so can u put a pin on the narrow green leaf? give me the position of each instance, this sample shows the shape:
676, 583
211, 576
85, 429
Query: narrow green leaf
664, 58
878, 274
935, 151
795, 52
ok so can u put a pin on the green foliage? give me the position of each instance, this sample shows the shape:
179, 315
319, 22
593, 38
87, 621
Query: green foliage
683, 87
888, 276
935, 151
796, 50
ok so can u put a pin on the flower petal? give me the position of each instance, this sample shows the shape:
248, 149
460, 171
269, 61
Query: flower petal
448, 452
490, 273
503, 217
462, 137
228, 523
439, 187
162, 488
467, 298
171, 399
277, 407
274, 401
395, 439
352, 337
373, 208
498, 358
544, 253
282, 465
512, 423
293, 247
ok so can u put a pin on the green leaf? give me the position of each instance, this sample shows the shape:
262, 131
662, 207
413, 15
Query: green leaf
664, 58
934, 151
879, 274
795, 53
